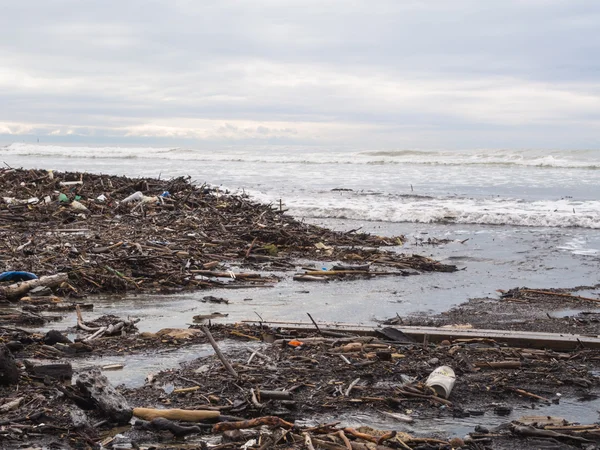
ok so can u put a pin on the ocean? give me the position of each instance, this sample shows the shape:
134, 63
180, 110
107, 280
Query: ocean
513, 217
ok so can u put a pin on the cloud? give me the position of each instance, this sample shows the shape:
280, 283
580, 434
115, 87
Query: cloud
419, 73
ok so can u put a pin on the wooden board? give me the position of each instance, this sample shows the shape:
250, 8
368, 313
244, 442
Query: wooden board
527, 339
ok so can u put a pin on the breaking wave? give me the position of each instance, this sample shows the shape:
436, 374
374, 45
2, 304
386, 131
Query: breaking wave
577, 159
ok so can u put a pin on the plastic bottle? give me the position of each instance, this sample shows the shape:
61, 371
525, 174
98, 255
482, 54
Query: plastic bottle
442, 380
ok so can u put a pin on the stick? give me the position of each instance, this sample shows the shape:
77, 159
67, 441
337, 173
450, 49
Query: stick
99, 332
308, 441
80, 322
315, 323
345, 439
368, 437
529, 394
430, 397
250, 248
219, 353
558, 294
255, 401
499, 365
270, 421
354, 383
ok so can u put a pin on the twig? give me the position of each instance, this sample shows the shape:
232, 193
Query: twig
81, 324
219, 353
255, 401
250, 248
559, 294
354, 383
308, 441
345, 439
315, 324
346, 360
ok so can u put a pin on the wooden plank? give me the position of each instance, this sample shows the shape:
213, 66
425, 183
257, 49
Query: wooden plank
526, 339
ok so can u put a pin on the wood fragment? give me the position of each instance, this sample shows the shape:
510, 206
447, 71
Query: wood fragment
271, 421
529, 394
185, 415
354, 383
559, 294
221, 356
17, 290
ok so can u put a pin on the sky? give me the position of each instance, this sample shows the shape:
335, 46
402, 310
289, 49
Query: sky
342, 74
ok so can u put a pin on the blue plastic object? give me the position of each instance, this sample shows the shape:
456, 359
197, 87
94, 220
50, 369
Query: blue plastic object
15, 275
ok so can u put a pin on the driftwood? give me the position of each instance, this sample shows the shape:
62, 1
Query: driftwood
498, 364
220, 354
186, 415
60, 371
271, 421
19, 289
161, 423
97, 387
9, 373
526, 430
273, 395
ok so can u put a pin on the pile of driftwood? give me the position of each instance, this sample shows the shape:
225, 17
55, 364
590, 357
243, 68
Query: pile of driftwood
112, 234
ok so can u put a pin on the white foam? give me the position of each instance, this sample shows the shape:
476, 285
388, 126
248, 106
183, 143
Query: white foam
582, 159
456, 210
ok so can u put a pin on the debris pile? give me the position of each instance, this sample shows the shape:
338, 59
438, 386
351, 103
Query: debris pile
113, 234
293, 388
575, 310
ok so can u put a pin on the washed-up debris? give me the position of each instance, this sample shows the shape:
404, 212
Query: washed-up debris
114, 234
15, 275
275, 393
525, 309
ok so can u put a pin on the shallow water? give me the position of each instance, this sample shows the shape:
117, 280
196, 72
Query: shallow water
581, 412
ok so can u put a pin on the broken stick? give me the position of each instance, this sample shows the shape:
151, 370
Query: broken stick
219, 353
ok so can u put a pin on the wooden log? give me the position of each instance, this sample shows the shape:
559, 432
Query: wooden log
18, 290
9, 373
110, 402
186, 415
60, 371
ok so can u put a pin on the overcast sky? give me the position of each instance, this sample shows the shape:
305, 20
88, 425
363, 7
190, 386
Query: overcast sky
348, 73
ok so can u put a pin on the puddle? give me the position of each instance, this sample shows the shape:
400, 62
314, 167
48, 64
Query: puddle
138, 367
584, 412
